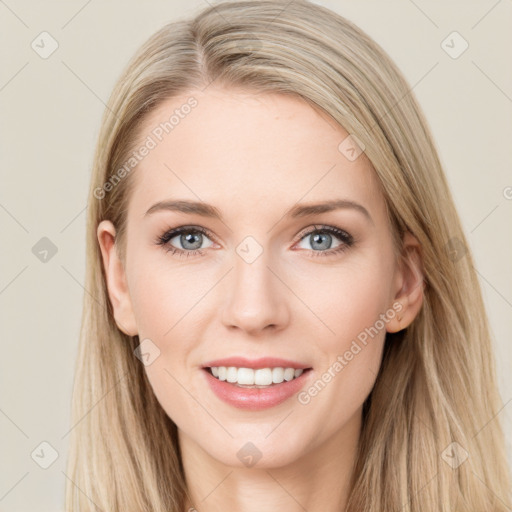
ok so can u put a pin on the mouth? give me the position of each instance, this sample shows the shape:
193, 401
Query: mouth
259, 378
256, 384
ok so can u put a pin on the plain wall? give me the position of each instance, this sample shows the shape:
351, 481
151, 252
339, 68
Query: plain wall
51, 110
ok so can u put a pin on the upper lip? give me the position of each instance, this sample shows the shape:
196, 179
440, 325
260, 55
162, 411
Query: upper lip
262, 362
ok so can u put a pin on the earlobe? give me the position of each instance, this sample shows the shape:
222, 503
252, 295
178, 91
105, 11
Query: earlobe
410, 285
116, 279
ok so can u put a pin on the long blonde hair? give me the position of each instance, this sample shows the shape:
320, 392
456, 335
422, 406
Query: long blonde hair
436, 385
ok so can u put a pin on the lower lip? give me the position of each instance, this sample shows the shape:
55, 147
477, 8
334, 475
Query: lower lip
255, 399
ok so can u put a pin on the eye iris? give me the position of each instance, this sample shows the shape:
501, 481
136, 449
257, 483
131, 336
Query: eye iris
325, 236
189, 238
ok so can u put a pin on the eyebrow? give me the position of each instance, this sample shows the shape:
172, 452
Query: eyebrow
300, 210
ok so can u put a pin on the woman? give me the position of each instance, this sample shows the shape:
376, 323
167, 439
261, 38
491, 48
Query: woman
282, 309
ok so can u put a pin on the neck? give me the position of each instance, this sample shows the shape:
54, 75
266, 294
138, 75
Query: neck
317, 481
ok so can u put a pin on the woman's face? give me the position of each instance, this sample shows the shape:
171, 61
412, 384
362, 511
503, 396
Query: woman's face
263, 278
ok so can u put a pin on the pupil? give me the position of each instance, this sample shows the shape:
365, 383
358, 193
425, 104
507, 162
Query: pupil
326, 236
190, 239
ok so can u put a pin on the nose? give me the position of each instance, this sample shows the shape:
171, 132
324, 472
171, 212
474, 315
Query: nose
257, 297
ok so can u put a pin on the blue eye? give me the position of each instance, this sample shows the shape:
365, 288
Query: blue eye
190, 239
322, 238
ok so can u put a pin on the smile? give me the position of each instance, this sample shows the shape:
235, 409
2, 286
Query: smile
255, 378
270, 386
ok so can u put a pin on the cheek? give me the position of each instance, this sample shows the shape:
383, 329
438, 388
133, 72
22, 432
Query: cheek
350, 302
166, 298
356, 307
361, 307
166, 294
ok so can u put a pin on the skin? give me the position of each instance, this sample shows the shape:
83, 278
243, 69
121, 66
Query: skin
254, 156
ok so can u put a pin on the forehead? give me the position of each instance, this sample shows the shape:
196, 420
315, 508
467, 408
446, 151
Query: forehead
262, 149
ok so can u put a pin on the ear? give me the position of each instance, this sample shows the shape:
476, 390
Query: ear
116, 279
409, 285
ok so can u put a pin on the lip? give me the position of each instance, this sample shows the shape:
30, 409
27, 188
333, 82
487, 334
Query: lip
262, 362
255, 399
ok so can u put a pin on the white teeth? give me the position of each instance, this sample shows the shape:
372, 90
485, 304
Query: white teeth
258, 377
263, 377
245, 376
231, 374
277, 375
289, 374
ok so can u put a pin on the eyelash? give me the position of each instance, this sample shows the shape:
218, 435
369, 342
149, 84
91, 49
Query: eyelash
163, 240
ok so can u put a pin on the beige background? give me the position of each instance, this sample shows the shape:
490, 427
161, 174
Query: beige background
51, 112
